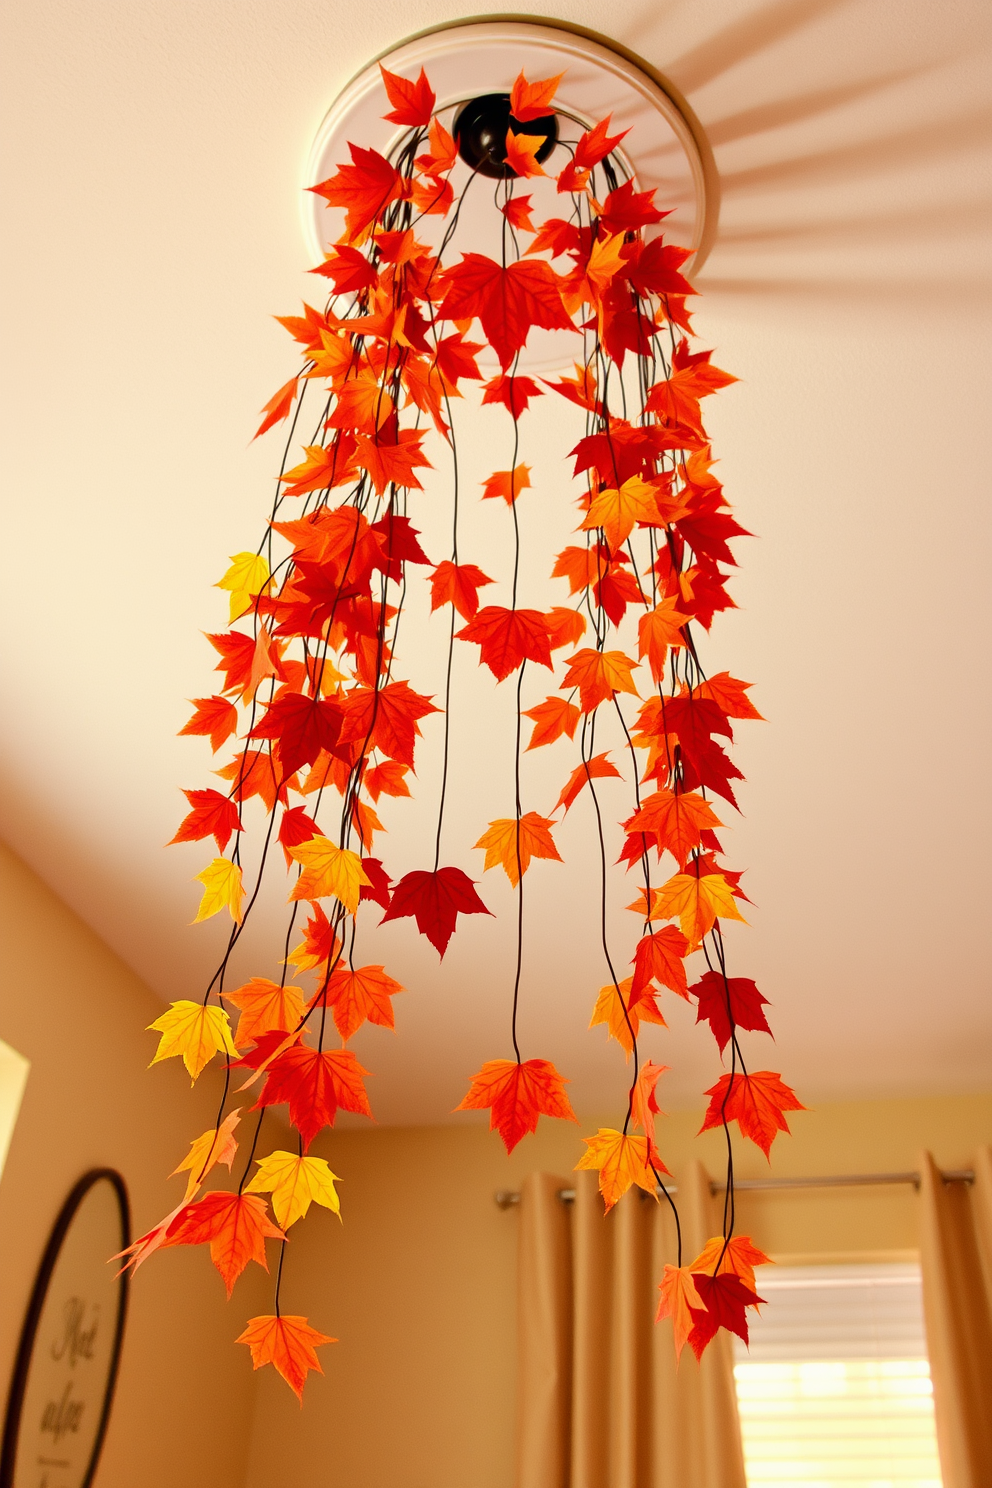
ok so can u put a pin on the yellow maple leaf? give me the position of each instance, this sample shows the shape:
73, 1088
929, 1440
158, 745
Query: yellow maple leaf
218, 1145
616, 511
295, 1183
195, 1032
615, 1008
222, 889
697, 902
246, 577
328, 870
500, 843
620, 1161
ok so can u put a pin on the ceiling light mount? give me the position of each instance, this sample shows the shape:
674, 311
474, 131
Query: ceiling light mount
481, 127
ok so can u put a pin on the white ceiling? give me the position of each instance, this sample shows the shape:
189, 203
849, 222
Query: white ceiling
153, 158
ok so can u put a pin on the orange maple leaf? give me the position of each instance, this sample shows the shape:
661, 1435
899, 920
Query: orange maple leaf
361, 996
756, 1102
698, 903
552, 718
660, 958
533, 100
620, 1161
278, 406
457, 584
591, 769
413, 103
508, 637
508, 302
236, 1227
521, 153
679, 1298
618, 510
676, 821
288, 1343
215, 716
598, 675
657, 630
737, 1255
566, 626
516, 1095
644, 1104
264, 1007
364, 188
507, 483
618, 1009
505, 846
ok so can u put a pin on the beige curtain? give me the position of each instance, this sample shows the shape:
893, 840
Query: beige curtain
600, 1401
956, 1259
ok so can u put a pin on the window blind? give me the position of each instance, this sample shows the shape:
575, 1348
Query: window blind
835, 1391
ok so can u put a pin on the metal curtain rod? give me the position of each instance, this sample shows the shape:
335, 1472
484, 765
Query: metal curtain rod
506, 1198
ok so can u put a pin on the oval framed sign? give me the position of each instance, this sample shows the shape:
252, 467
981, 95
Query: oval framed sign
66, 1367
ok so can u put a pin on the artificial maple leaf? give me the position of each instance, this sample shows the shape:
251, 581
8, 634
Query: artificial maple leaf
515, 393
616, 1008
644, 1105
591, 769
580, 389
315, 1083
660, 958
513, 849
679, 1301
516, 1095
617, 511
598, 675
565, 626
698, 903
321, 469
213, 815
361, 996
659, 629
222, 889
237, 653
722, 998
729, 695
736, 1255
675, 820
254, 774
295, 827
626, 209
457, 584
521, 153
508, 302
620, 1160
364, 188
214, 716
435, 900
724, 1298
194, 1031
507, 483
390, 463
443, 151
247, 576
378, 889
517, 213
508, 637
386, 719
387, 779
596, 144
532, 100
278, 406
264, 1007
350, 270
303, 726
319, 945
413, 103
756, 1102
328, 870
432, 197
236, 1227
288, 1343
552, 718
295, 1183
218, 1145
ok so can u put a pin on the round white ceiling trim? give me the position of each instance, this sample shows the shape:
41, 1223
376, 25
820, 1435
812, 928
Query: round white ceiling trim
465, 61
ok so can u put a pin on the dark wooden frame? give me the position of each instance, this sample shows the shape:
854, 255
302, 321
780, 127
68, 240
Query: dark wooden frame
25, 1349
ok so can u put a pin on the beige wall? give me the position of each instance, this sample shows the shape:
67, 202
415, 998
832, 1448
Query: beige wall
67, 1002
418, 1282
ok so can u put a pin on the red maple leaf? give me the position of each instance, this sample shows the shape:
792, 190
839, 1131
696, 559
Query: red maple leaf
316, 1083
507, 301
296, 827
457, 584
237, 654
725, 1297
508, 637
236, 1227
513, 392
350, 270
385, 719
625, 209
213, 815
377, 889
756, 1102
303, 725
363, 188
660, 958
533, 100
435, 900
391, 463
745, 1005
596, 144
278, 406
413, 103
516, 1095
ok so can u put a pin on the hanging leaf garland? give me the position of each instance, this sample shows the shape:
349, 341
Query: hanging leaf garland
328, 721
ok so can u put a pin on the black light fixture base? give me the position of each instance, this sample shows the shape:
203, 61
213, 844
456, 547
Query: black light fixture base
481, 127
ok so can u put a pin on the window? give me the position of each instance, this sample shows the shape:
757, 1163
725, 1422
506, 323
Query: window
835, 1389
13, 1077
